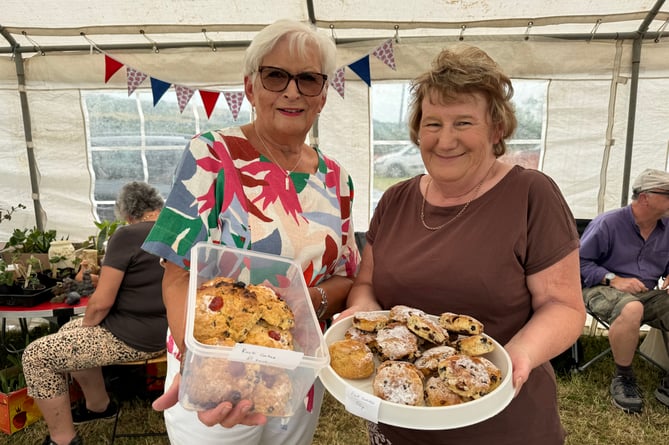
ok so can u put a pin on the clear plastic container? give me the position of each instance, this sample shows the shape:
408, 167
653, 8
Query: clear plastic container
276, 380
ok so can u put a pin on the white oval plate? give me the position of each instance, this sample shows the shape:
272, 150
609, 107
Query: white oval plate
424, 417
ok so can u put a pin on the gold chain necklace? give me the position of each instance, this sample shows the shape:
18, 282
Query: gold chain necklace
268, 151
476, 192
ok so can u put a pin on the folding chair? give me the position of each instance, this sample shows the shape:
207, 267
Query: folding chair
598, 320
150, 380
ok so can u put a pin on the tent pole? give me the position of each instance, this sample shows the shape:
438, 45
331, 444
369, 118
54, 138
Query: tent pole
30, 147
634, 86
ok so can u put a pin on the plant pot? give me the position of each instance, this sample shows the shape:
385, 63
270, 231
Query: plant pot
17, 295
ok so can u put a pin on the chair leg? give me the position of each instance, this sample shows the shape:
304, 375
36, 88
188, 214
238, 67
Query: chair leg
593, 360
118, 412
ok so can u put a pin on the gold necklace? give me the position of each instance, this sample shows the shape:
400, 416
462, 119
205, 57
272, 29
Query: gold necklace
285, 172
476, 192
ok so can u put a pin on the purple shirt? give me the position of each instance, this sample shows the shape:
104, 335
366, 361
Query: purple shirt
612, 242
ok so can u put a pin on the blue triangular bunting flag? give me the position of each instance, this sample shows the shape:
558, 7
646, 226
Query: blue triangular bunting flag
158, 88
361, 68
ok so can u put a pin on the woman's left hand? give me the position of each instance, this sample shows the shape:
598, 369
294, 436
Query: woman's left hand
521, 364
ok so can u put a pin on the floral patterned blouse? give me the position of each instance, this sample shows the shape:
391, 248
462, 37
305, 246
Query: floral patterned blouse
225, 192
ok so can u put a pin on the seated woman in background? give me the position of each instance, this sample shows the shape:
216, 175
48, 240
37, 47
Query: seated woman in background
125, 320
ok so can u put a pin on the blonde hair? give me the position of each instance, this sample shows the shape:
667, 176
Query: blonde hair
465, 69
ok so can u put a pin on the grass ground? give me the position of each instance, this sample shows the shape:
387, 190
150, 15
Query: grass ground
585, 407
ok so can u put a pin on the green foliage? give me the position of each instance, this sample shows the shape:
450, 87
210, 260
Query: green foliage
6, 276
105, 230
11, 370
31, 240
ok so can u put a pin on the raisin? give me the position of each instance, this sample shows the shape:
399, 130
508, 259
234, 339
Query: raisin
274, 335
216, 304
235, 397
239, 284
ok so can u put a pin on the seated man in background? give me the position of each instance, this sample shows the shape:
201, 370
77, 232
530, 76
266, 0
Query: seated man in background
624, 252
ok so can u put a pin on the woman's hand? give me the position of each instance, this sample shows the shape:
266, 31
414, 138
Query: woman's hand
521, 365
224, 414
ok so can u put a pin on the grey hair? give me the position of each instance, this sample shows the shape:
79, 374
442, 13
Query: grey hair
135, 199
298, 36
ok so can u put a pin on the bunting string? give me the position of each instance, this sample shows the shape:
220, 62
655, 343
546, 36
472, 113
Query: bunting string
234, 99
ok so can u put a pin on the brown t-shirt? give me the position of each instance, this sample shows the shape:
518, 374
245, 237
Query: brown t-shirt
477, 265
138, 316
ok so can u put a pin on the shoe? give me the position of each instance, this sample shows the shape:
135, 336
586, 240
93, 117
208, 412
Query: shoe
626, 394
83, 415
662, 391
76, 441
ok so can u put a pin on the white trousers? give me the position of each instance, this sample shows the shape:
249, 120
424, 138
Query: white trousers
184, 427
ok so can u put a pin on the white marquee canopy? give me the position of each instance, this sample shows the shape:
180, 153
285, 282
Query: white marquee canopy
606, 65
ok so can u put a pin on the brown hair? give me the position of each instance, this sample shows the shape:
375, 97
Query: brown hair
465, 69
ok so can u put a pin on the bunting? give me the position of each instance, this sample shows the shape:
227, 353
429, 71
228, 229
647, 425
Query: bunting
234, 99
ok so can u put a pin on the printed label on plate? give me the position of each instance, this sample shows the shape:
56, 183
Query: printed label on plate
362, 404
280, 358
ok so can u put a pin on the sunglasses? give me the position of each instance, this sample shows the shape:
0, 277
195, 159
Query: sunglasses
277, 80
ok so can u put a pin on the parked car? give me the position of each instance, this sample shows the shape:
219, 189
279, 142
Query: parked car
403, 163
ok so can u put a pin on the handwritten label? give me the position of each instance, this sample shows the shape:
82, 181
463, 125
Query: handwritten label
280, 358
362, 404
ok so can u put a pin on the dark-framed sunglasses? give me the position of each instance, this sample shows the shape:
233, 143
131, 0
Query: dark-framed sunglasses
276, 80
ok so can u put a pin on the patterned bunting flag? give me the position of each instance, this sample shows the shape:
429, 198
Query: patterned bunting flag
111, 67
234, 99
158, 88
386, 54
209, 99
135, 78
338, 80
361, 68
183, 96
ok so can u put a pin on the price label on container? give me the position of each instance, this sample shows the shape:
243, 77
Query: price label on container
362, 404
280, 358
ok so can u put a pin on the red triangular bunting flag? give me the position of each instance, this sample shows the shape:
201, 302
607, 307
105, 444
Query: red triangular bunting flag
111, 67
135, 78
386, 54
234, 99
338, 80
183, 96
209, 99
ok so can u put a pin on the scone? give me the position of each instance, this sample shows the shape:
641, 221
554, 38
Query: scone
397, 342
438, 393
428, 362
460, 324
399, 382
275, 311
426, 329
262, 334
494, 372
474, 345
465, 375
370, 321
272, 394
225, 309
401, 313
351, 359
215, 381
368, 338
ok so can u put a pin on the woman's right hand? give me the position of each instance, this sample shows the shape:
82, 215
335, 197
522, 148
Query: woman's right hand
224, 414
